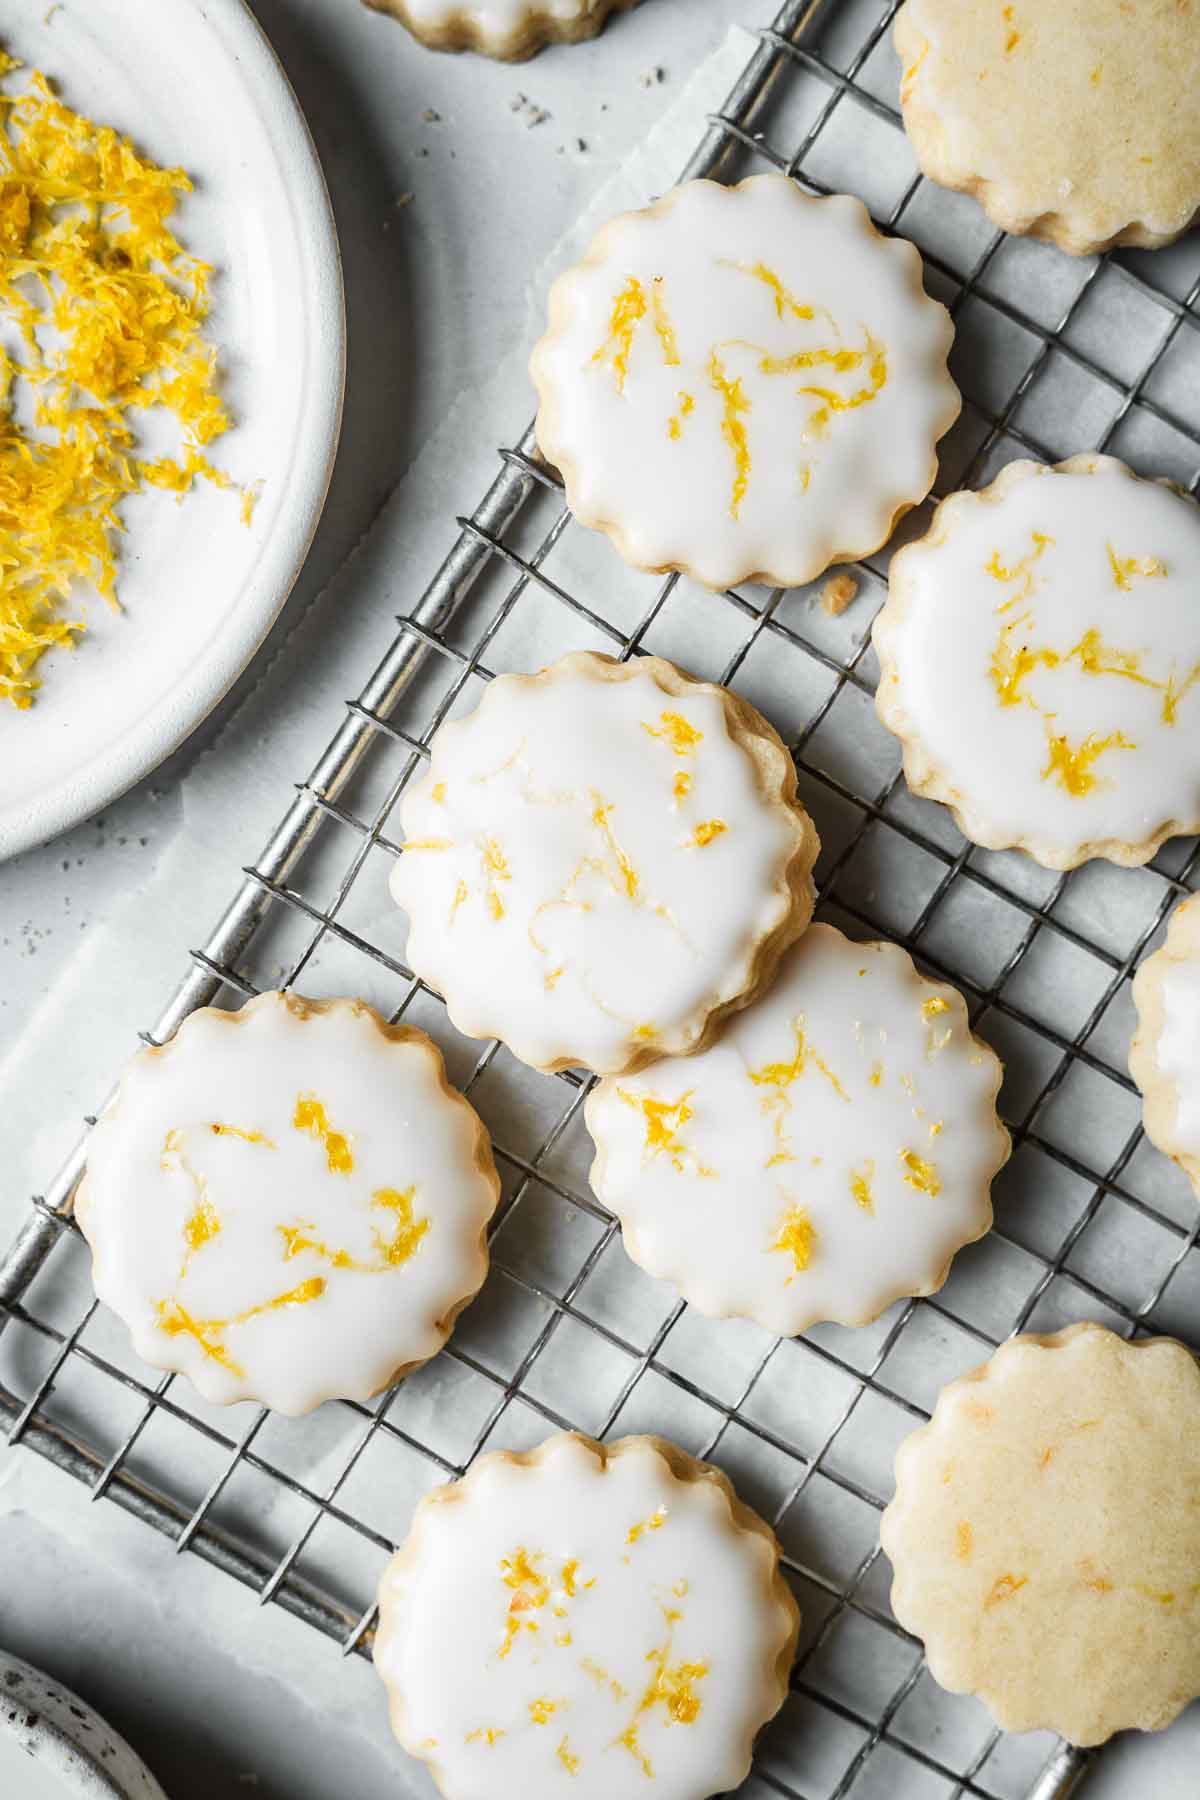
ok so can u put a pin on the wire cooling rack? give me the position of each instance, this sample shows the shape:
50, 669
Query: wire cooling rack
1053, 356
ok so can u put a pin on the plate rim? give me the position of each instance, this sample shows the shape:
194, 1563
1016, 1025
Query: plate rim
27, 824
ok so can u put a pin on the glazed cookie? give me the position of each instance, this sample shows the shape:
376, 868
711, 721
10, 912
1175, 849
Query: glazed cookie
288, 1203
585, 1621
1070, 121
1164, 1057
509, 30
1045, 1535
602, 861
744, 383
1040, 659
830, 1152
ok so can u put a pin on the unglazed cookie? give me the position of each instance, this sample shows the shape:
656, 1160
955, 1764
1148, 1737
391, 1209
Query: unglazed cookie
585, 1621
287, 1203
830, 1152
744, 383
1040, 660
1067, 120
602, 861
1045, 1534
1164, 1057
509, 30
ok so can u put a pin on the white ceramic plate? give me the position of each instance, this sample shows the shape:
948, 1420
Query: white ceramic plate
53, 1747
192, 82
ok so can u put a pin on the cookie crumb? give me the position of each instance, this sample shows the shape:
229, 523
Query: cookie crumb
653, 77
837, 594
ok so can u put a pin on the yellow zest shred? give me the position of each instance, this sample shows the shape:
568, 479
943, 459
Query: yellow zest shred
797, 1237
310, 1116
920, 1174
1072, 765
87, 255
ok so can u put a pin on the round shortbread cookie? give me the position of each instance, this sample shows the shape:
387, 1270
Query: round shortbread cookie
585, 1621
1045, 1534
288, 1203
744, 383
1066, 120
602, 861
509, 30
830, 1152
1164, 1057
1039, 659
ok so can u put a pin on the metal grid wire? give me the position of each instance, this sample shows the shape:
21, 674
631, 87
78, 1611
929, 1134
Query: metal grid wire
1089, 1222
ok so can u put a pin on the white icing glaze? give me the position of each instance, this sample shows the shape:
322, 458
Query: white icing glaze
830, 1152
1041, 660
285, 1204
744, 382
591, 865
607, 1624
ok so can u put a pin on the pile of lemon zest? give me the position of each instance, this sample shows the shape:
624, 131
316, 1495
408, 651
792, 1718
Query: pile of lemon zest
876, 1076
933, 1006
678, 732
733, 428
920, 1174
1003, 1588
489, 1734
569, 1762
1072, 766
860, 1185
681, 787
551, 981
542, 1711
797, 1238
462, 893
705, 833
311, 1116
1124, 569
86, 249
